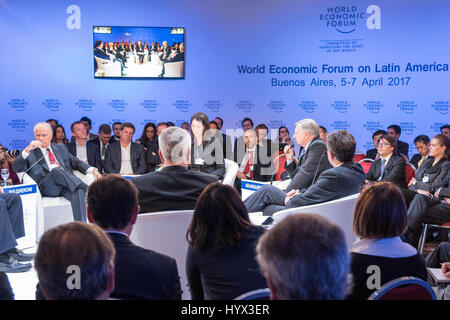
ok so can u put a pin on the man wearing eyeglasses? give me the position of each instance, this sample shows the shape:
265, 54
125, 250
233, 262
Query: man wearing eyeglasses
390, 166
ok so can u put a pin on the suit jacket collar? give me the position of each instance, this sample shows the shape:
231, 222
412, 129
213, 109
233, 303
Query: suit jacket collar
38, 154
175, 169
119, 238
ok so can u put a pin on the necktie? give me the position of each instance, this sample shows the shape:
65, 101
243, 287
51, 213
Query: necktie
52, 158
383, 163
420, 161
377, 157
249, 165
103, 150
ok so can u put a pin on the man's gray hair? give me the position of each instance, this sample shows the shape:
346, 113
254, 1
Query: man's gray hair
43, 125
175, 145
305, 256
310, 126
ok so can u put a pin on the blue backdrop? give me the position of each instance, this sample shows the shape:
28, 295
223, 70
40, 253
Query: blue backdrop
356, 65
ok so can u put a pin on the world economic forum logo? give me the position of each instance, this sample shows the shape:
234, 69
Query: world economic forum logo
340, 125
408, 127
52, 104
150, 105
436, 127
182, 105
19, 125
214, 105
345, 19
18, 104
245, 105
341, 106
276, 105
18, 144
85, 104
308, 106
441, 107
115, 120
374, 106
407, 107
373, 126
118, 104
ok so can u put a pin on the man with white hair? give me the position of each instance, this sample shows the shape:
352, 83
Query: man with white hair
51, 166
174, 187
312, 161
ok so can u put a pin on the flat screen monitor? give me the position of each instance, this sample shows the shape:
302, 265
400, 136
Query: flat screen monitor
138, 52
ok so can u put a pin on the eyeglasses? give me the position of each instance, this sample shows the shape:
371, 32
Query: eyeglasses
381, 143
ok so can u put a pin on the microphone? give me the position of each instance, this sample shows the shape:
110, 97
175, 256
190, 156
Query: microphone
46, 152
276, 169
318, 166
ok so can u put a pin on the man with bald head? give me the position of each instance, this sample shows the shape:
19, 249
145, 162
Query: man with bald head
51, 166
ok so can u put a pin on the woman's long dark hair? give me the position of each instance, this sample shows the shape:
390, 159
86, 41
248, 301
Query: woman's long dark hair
143, 139
220, 219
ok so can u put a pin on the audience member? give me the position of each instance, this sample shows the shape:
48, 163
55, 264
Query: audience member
116, 131
440, 258
103, 140
12, 228
84, 150
278, 155
422, 144
401, 147
150, 142
323, 133
429, 207
139, 273
239, 145
389, 167
59, 135
7, 158
53, 123
255, 163
174, 187
54, 175
432, 172
185, 126
445, 130
329, 186
311, 163
206, 150
75, 261
373, 153
379, 220
261, 134
126, 157
304, 257
220, 262
88, 124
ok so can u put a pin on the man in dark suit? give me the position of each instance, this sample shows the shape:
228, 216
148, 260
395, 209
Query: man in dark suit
126, 157
373, 153
254, 163
389, 167
425, 209
12, 228
174, 187
139, 273
239, 145
422, 144
116, 130
344, 179
82, 149
311, 163
51, 165
402, 147
103, 140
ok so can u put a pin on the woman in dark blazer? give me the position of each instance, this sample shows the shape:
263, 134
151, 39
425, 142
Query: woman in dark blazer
206, 150
379, 255
221, 259
431, 173
150, 142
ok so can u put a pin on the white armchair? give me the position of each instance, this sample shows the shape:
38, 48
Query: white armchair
231, 169
52, 211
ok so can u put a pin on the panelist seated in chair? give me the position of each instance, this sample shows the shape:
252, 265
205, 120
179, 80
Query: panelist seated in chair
51, 166
389, 167
84, 150
174, 187
125, 157
344, 179
311, 163
254, 162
